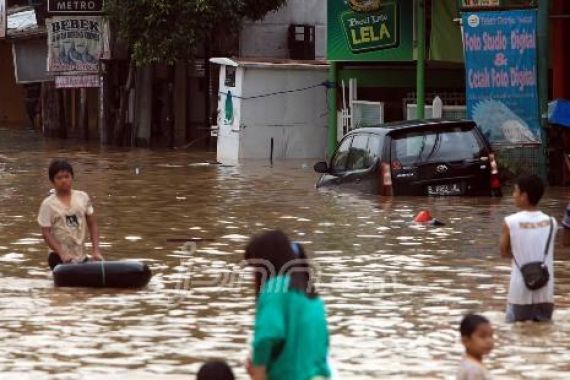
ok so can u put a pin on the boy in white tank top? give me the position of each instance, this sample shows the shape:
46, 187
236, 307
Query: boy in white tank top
524, 239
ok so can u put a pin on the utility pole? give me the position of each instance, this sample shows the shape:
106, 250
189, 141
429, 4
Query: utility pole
543, 64
331, 89
421, 55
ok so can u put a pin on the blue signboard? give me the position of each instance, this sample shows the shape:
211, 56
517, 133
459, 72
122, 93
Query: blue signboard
501, 68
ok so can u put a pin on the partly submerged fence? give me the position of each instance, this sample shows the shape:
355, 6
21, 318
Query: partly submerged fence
515, 160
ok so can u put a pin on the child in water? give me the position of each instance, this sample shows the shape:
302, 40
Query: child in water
291, 339
477, 337
64, 218
215, 370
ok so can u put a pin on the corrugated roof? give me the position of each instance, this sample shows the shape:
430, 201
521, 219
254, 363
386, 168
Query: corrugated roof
274, 63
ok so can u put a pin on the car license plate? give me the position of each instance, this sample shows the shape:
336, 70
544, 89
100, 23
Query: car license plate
447, 189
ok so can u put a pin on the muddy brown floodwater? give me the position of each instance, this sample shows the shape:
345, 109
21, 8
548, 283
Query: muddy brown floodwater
395, 293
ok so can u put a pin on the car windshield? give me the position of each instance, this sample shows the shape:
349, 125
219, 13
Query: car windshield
435, 146
339, 161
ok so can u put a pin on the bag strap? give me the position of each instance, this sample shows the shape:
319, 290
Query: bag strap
546, 249
548, 241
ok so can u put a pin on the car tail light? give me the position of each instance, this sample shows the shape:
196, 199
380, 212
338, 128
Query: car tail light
396, 165
495, 180
385, 179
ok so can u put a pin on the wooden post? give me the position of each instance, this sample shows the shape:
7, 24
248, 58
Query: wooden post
141, 133
208, 93
83, 114
180, 94
169, 106
52, 112
104, 118
119, 129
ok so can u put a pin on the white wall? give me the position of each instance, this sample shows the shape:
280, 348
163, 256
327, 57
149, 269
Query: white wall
296, 121
268, 37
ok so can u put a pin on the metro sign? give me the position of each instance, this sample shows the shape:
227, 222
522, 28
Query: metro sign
75, 6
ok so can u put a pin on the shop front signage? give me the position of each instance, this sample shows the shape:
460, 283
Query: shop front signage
75, 6
77, 81
501, 75
76, 43
370, 30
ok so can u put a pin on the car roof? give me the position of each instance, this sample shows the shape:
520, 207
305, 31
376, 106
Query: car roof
384, 129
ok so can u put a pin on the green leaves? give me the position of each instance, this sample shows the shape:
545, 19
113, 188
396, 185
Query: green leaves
164, 31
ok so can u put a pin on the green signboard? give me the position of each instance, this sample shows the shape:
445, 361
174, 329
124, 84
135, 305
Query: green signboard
370, 30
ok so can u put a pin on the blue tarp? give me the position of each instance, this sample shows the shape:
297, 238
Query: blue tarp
559, 112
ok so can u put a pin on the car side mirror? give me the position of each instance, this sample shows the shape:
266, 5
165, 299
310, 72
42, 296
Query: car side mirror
321, 167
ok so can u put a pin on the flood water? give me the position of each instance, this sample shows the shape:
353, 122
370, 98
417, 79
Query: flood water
394, 292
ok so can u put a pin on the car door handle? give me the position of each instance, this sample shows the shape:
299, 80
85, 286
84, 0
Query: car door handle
357, 180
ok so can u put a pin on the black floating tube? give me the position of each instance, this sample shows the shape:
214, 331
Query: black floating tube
103, 274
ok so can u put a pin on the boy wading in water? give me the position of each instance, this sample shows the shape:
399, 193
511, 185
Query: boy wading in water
477, 338
64, 218
528, 237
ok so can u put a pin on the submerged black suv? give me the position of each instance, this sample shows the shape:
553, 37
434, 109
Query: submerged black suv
423, 157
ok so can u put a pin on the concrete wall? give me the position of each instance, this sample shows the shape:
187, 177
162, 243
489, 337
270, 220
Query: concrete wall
268, 37
296, 121
229, 131
12, 106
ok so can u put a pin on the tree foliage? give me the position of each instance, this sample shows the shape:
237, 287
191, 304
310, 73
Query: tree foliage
164, 31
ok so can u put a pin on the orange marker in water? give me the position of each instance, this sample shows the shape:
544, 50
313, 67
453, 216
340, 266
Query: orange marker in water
425, 217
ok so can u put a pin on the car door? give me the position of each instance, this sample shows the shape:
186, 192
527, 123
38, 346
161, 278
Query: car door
360, 174
375, 152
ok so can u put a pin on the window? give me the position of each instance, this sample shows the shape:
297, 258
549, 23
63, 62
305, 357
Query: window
339, 160
358, 158
230, 80
375, 146
435, 146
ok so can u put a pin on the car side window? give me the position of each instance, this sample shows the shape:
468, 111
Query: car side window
374, 147
359, 159
338, 163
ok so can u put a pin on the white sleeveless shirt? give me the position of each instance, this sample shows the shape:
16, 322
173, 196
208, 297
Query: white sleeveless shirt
529, 233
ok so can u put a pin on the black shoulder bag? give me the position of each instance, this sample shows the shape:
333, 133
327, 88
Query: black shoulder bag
535, 274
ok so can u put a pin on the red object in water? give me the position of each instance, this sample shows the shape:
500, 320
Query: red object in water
423, 217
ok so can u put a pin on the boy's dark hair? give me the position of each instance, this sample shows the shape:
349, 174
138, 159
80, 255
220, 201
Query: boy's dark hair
272, 253
470, 323
57, 166
533, 186
215, 370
